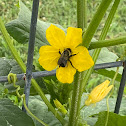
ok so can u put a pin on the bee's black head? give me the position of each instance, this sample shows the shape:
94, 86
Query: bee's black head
69, 49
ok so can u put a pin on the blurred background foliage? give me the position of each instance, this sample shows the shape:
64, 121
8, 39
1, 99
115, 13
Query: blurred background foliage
63, 12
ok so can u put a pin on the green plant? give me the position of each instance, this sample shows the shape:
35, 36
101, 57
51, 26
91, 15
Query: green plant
57, 90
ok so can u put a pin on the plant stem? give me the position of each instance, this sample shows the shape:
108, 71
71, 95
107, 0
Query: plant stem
85, 14
82, 78
96, 52
80, 14
76, 99
76, 96
106, 28
32, 115
88, 36
95, 22
107, 43
23, 67
11, 47
12, 79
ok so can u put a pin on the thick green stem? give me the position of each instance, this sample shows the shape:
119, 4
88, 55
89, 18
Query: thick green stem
95, 22
23, 67
102, 37
11, 47
88, 36
78, 83
80, 13
107, 43
85, 14
86, 74
106, 27
51, 108
76, 96
76, 99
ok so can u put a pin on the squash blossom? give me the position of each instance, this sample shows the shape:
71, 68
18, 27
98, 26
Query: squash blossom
98, 93
64, 54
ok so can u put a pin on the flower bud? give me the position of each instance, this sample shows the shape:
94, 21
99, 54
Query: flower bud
98, 93
60, 107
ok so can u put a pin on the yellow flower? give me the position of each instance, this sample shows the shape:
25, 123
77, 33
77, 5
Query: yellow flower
60, 107
64, 53
98, 93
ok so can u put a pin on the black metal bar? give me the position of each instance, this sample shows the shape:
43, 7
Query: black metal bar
31, 49
108, 65
53, 72
34, 75
121, 89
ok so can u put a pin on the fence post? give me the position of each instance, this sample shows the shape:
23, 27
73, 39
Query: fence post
121, 89
31, 50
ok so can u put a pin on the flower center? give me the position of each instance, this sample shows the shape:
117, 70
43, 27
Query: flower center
65, 56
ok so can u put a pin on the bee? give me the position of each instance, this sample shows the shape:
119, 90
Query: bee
65, 56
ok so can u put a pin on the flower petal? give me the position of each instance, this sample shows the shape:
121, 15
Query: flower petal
48, 57
100, 88
73, 37
99, 92
66, 74
105, 92
82, 60
55, 36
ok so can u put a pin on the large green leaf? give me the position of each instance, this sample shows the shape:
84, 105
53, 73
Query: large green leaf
12, 115
19, 28
38, 108
88, 113
5, 67
113, 119
106, 56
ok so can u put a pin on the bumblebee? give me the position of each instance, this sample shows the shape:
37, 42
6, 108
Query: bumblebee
65, 56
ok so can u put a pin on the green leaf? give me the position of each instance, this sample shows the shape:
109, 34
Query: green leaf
12, 115
19, 28
38, 108
106, 56
109, 73
5, 67
101, 106
113, 119
10, 66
